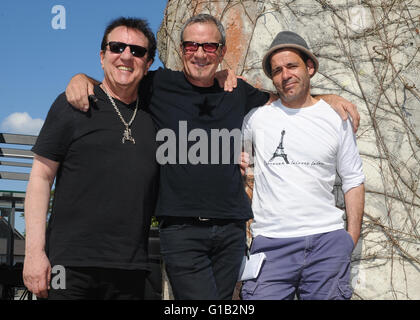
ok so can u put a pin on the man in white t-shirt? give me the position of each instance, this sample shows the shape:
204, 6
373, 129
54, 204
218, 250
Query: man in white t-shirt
299, 146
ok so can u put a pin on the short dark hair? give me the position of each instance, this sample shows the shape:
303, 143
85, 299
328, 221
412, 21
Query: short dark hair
136, 24
304, 57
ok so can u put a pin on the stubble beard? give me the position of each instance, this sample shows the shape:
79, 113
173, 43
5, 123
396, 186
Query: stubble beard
296, 99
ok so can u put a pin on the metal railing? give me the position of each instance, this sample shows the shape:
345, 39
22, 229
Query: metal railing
15, 164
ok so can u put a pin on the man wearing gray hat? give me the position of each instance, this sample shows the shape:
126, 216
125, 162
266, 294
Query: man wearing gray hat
300, 144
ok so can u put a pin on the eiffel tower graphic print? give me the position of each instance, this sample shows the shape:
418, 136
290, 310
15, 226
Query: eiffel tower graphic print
280, 150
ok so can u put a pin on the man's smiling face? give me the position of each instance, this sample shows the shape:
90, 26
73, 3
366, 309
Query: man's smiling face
123, 70
200, 66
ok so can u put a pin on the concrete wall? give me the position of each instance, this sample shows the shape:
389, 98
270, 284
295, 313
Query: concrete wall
369, 54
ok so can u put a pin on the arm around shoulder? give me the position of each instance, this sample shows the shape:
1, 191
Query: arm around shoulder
79, 89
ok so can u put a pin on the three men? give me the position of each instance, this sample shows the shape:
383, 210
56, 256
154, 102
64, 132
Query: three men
107, 179
202, 207
300, 144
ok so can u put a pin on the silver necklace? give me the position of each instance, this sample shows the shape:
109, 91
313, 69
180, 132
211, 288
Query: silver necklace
127, 132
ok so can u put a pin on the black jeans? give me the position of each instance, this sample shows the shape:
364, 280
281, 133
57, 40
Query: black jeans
202, 258
91, 283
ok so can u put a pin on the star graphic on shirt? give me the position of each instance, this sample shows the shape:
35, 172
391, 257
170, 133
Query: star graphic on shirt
206, 108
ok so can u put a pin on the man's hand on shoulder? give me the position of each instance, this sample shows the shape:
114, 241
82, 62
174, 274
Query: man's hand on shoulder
78, 91
227, 79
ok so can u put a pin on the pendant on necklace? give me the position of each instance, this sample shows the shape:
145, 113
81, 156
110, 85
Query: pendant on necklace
127, 136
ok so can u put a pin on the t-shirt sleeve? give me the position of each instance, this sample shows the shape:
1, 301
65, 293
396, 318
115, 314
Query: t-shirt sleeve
57, 132
255, 97
349, 163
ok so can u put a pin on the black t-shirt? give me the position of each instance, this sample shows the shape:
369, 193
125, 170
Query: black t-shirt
105, 191
209, 188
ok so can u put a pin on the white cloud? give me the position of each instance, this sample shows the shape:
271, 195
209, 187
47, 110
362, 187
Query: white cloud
21, 122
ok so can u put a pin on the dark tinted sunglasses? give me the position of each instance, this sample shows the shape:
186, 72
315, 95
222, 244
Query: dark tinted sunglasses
190, 46
119, 47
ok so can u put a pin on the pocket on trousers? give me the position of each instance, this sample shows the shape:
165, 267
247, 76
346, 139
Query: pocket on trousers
248, 289
344, 290
341, 291
350, 239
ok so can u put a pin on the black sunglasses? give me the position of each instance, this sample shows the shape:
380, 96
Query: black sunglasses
119, 47
191, 46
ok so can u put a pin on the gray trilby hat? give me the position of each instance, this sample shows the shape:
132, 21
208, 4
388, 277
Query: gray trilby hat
287, 39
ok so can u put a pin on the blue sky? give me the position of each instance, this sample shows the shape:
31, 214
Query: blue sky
38, 60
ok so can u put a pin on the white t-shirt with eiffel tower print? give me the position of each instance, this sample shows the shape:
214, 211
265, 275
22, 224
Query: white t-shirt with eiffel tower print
297, 153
